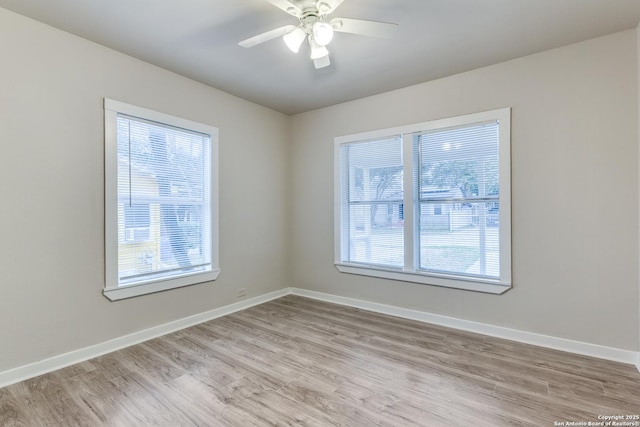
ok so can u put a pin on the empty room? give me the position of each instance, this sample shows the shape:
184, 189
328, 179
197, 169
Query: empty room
320, 212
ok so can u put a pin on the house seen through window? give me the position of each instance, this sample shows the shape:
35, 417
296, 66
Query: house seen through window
137, 222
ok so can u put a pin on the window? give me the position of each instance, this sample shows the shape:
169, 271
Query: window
161, 219
427, 203
373, 195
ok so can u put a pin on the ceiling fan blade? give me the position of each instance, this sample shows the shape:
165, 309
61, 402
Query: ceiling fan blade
322, 62
287, 6
326, 7
365, 28
269, 35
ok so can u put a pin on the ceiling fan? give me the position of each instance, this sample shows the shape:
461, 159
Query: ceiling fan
316, 29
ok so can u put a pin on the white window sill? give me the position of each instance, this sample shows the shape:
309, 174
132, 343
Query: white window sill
123, 292
457, 282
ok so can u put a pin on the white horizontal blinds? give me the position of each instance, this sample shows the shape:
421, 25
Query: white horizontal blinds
137, 222
163, 199
459, 201
374, 199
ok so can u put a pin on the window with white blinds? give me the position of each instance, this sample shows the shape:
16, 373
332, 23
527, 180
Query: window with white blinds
427, 203
374, 202
161, 193
459, 202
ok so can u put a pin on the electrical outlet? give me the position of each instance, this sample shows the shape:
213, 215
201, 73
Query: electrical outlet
241, 292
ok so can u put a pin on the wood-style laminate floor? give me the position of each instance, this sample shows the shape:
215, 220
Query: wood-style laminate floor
296, 361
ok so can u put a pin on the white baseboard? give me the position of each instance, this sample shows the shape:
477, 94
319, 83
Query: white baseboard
61, 361
25, 372
593, 350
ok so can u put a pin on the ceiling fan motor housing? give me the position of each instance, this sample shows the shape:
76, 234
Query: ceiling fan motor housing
306, 6
312, 23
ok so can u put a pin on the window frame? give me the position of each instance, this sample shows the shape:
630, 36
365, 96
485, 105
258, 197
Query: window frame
113, 290
410, 271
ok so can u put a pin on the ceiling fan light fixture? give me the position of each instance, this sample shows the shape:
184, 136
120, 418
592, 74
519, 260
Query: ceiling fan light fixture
317, 51
322, 33
294, 39
323, 7
322, 62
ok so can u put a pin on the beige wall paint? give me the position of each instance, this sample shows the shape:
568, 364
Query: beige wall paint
574, 191
51, 187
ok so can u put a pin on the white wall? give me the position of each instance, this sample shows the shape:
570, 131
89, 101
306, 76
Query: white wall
52, 198
574, 191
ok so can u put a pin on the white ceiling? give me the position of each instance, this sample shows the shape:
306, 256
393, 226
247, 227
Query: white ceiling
435, 38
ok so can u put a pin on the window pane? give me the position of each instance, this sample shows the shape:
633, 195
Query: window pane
376, 234
459, 163
461, 238
458, 234
163, 196
376, 184
375, 202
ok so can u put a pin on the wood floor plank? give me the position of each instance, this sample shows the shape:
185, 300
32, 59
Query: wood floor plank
300, 362
211, 371
144, 359
151, 402
11, 414
204, 400
115, 364
99, 396
45, 399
